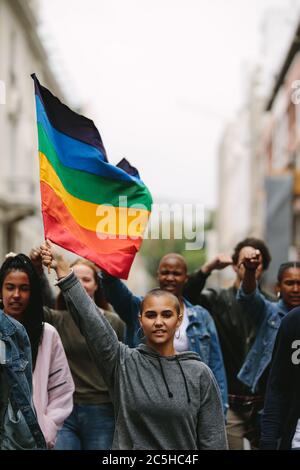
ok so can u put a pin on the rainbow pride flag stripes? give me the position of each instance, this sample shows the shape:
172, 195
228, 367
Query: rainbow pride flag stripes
90, 207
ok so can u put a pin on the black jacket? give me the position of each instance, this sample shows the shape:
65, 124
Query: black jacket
282, 403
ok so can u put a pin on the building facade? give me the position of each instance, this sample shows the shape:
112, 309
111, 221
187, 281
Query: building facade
241, 176
259, 158
21, 54
281, 148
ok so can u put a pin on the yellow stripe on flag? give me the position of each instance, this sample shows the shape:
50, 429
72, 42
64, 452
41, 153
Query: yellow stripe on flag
109, 220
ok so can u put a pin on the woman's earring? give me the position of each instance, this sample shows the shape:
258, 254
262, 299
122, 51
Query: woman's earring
1, 303
278, 295
177, 337
140, 333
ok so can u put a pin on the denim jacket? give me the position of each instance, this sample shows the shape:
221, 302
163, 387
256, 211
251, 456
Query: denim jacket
19, 419
201, 331
268, 316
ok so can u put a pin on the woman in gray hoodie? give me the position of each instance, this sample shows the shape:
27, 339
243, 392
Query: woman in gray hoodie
162, 400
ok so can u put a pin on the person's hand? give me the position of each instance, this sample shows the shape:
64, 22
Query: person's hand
251, 259
221, 261
47, 255
36, 259
52, 259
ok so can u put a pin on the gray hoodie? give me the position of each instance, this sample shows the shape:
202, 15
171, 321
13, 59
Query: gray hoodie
160, 402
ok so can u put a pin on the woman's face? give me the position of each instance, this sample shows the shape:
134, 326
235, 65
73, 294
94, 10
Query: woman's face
289, 287
159, 320
85, 275
15, 293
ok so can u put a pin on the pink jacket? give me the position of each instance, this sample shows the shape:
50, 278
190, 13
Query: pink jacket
53, 385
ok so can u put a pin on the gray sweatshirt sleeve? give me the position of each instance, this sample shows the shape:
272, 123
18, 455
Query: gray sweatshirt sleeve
99, 335
211, 425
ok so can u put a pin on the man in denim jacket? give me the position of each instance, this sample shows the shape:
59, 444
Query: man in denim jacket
197, 332
19, 428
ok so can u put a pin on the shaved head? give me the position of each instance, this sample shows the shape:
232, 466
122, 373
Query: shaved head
161, 293
179, 258
172, 273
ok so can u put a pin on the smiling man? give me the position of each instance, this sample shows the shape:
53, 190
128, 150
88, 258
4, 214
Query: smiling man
197, 330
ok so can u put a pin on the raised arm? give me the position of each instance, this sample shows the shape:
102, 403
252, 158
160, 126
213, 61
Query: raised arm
124, 302
248, 294
47, 292
197, 280
100, 336
250, 261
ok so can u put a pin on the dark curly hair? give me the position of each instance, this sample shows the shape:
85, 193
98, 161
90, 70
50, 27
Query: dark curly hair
33, 317
258, 245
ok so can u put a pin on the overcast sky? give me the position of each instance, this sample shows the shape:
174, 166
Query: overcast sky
160, 78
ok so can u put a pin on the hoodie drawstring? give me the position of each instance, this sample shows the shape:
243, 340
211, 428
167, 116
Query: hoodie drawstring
164, 378
185, 382
170, 394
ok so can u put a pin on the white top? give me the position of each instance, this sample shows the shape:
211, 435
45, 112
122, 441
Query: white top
181, 344
296, 438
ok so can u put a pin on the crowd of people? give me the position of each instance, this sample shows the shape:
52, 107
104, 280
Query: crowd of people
184, 367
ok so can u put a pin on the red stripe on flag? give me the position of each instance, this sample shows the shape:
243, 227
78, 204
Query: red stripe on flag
114, 255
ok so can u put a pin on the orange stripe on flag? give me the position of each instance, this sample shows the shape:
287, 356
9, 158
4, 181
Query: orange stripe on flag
114, 254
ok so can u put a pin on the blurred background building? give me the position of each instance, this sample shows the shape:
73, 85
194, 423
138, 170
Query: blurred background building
281, 139
25, 47
259, 155
21, 53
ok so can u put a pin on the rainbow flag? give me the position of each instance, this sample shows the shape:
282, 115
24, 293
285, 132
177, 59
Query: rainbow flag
90, 207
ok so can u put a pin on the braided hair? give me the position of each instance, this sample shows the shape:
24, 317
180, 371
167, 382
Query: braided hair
284, 267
